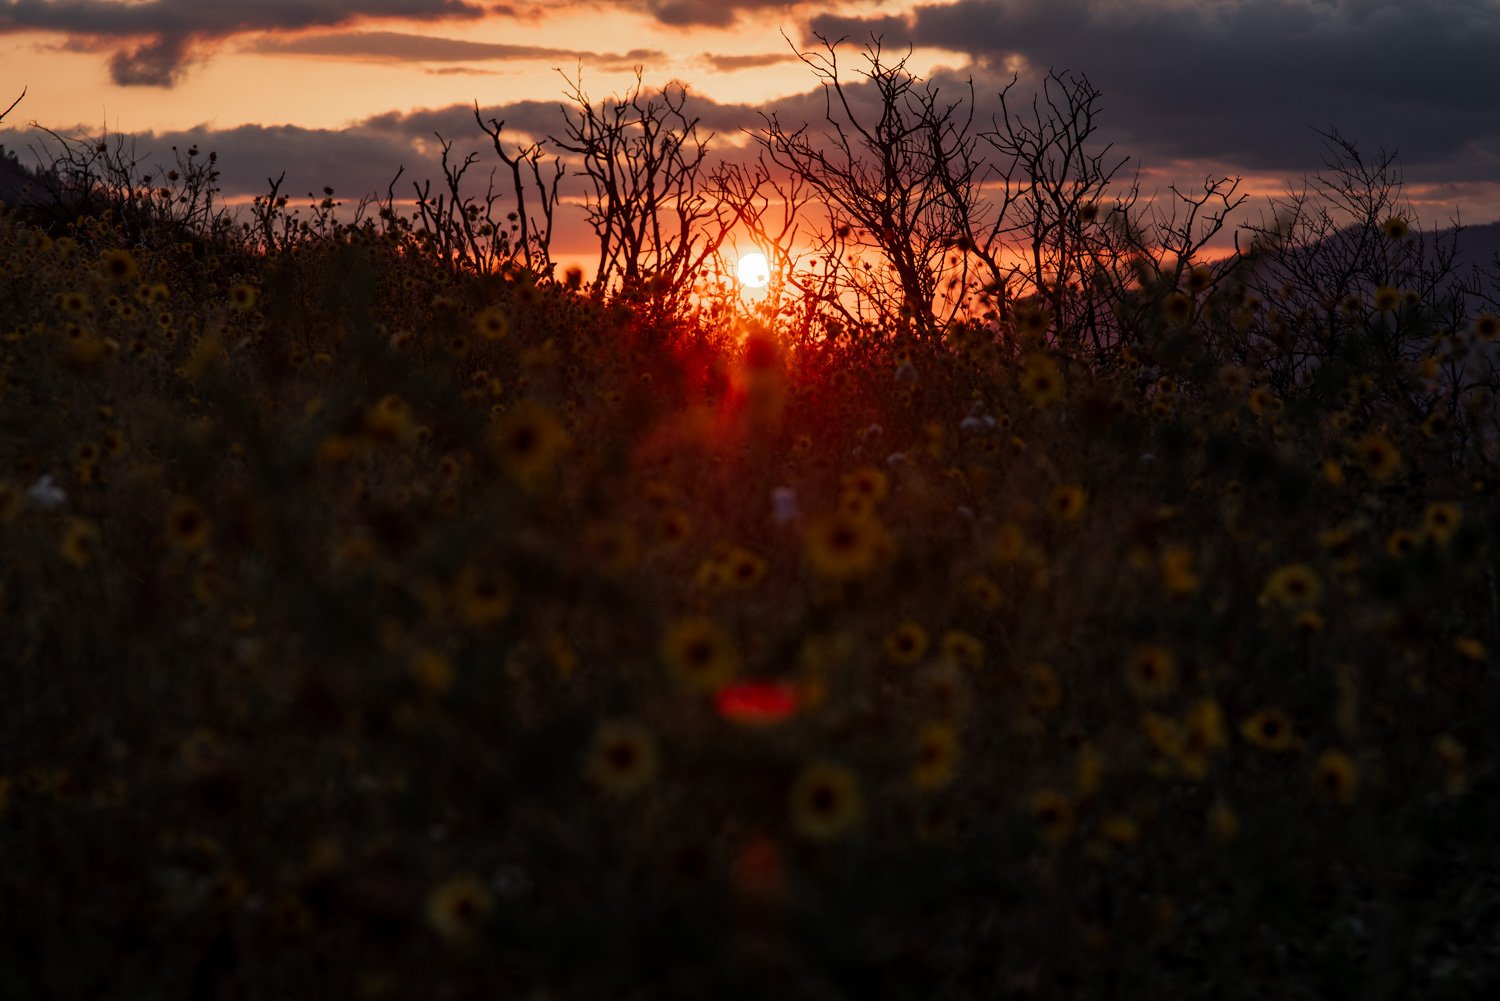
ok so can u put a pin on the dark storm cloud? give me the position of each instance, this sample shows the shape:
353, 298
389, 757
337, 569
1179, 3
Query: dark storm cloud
395, 46
1241, 80
154, 42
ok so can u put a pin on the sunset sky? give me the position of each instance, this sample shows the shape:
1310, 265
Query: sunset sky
342, 92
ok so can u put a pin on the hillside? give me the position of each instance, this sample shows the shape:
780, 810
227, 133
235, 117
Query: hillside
376, 629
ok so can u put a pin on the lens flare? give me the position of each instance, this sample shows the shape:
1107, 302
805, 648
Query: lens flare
754, 270
757, 702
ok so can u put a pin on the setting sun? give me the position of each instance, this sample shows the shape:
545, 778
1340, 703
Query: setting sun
754, 270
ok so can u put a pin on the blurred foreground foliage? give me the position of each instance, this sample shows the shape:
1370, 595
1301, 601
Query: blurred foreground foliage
374, 629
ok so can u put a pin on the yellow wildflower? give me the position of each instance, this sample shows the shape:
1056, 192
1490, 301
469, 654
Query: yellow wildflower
1270, 729
1336, 776
699, 654
1151, 672
825, 801
1293, 586
937, 756
623, 758
907, 644
457, 908
844, 547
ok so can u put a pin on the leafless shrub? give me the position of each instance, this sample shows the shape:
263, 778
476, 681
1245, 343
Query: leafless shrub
1320, 262
898, 186
648, 199
93, 175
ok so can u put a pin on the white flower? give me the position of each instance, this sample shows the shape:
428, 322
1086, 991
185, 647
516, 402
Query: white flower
510, 880
784, 505
45, 494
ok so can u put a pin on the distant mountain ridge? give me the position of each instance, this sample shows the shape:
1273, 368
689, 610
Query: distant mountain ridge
1477, 245
14, 178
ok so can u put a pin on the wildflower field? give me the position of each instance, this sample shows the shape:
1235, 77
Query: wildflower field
374, 629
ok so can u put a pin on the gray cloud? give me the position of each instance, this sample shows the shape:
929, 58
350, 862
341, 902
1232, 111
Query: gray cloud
154, 42
1241, 81
724, 13
536, 120
727, 64
159, 62
708, 13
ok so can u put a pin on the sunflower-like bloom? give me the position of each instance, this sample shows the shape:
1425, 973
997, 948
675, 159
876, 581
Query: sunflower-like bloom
1293, 586
243, 297
80, 542
1041, 380
118, 266
1068, 501
1440, 521
623, 758
528, 442
1053, 813
699, 654
1378, 457
492, 324
842, 546
1151, 672
1487, 327
1270, 729
188, 526
1336, 776
456, 909
936, 757
825, 801
907, 643
1395, 228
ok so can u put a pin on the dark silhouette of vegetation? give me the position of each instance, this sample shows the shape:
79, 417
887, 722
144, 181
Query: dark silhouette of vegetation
1008, 603
648, 204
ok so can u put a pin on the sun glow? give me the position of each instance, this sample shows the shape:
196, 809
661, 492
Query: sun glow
754, 270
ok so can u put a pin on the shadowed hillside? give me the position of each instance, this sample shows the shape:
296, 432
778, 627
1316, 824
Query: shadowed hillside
378, 624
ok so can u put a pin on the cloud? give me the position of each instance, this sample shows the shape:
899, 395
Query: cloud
155, 41
728, 64
707, 13
159, 62
395, 46
726, 13
1239, 81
